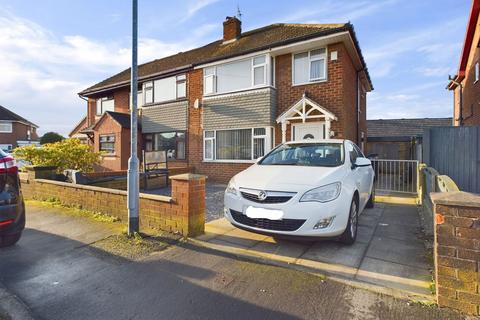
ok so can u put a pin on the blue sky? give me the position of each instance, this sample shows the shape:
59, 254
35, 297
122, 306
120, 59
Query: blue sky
52, 49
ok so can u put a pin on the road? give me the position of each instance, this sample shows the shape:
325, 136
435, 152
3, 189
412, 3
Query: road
58, 275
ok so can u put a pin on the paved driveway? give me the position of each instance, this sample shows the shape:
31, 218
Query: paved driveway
55, 271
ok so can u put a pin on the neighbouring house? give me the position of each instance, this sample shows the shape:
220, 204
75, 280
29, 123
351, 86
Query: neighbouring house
16, 131
465, 84
219, 107
75, 133
400, 139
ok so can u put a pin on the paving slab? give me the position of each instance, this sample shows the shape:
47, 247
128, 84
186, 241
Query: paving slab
406, 215
394, 275
365, 233
398, 231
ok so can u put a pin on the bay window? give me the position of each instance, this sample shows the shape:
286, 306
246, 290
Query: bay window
171, 142
237, 75
166, 89
237, 144
309, 66
105, 104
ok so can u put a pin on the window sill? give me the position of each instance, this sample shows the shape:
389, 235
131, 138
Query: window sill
309, 83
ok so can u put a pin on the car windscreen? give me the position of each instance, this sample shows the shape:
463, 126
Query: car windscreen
306, 154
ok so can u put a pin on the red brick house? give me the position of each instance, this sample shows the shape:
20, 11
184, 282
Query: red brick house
15, 130
465, 84
219, 107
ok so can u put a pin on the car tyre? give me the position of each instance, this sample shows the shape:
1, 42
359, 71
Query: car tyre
371, 200
350, 234
9, 239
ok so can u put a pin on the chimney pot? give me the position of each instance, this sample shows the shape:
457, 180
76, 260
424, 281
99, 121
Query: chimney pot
232, 28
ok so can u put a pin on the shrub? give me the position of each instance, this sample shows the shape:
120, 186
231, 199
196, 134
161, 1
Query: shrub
65, 154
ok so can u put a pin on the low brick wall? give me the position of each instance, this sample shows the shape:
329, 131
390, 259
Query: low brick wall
457, 250
183, 212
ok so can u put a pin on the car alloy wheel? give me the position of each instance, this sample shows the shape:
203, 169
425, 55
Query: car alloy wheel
353, 219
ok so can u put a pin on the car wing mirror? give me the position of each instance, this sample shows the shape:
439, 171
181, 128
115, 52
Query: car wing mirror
362, 162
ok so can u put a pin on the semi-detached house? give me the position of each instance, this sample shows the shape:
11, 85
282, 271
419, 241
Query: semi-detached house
219, 107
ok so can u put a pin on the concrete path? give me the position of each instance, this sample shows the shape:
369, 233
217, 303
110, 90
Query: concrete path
389, 255
55, 271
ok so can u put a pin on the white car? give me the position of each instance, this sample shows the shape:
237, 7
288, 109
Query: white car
310, 188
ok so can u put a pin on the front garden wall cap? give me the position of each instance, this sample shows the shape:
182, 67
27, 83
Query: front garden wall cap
456, 198
188, 176
41, 168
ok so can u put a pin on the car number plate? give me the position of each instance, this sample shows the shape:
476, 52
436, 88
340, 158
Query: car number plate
262, 213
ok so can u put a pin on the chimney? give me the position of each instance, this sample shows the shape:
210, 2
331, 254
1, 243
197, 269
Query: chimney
232, 29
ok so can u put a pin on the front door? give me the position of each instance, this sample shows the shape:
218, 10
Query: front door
310, 130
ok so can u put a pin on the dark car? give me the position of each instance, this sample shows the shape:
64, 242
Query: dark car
12, 207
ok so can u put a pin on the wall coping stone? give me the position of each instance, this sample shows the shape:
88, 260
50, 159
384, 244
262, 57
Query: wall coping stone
106, 190
40, 168
188, 176
456, 198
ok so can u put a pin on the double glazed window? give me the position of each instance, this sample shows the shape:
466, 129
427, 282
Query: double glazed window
167, 89
309, 66
107, 143
237, 75
171, 142
238, 144
105, 104
6, 127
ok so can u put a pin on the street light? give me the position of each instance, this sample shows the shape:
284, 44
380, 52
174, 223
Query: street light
133, 185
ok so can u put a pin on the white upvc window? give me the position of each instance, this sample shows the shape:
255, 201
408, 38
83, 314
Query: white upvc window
148, 92
139, 99
166, 89
181, 86
309, 66
105, 104
6, 127
238, 75
237, 145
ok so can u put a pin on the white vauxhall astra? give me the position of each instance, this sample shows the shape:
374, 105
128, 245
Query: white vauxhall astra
310, 188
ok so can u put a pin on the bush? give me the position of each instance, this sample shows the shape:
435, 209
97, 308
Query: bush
51, 137
65, 154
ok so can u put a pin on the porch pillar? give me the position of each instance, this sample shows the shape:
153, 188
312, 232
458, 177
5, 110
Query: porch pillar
284, 131
327, 128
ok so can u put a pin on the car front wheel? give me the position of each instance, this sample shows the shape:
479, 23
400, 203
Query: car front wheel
371, 200
350, 233
9, 239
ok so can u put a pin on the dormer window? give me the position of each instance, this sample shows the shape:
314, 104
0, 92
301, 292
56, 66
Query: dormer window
310, 66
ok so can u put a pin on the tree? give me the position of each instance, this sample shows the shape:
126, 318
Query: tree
51, 137
65, 154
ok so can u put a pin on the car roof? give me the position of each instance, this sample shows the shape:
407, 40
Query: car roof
313, 141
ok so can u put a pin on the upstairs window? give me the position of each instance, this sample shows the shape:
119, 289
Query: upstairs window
166, 89
237, 75
309, 66
6, 127
105, 104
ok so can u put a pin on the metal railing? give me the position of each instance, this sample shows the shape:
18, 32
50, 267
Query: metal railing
396, 176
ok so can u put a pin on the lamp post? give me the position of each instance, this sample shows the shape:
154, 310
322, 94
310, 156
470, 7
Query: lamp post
133, 184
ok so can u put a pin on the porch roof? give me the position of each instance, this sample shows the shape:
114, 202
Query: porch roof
302, 110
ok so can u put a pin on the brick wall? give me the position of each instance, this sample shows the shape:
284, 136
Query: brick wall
457, 250
183, 212
19, 132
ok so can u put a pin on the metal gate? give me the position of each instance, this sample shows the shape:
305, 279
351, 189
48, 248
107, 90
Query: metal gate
396, 176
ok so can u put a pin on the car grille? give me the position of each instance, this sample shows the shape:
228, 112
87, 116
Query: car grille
268, 199
277, 225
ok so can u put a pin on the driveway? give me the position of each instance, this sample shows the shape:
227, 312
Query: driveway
58, 274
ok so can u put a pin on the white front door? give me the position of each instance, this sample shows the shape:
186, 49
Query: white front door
309, 130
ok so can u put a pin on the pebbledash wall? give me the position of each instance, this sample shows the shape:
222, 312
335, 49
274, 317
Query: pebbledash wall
457, 250
183, 212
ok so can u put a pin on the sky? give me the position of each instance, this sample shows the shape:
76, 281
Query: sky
52, 49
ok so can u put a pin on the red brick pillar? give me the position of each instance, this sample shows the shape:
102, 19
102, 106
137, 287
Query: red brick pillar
457, 250
188, 193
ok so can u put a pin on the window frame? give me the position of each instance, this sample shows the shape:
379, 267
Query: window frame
10, 130
152, 139
268, 140
107, 153
149, 85
310, 80
102, 99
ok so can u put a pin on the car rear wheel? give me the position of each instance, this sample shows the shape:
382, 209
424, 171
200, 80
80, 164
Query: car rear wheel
9, 239
350, 234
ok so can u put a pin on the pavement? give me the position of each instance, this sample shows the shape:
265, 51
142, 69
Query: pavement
57, 273
389, 255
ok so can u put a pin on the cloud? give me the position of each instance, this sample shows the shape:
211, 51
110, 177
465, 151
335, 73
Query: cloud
42, 73
195, 6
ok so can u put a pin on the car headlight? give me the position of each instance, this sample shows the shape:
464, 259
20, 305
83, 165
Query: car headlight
231, 188
325, 193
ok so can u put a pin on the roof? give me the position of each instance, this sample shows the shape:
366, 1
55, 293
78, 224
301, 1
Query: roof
8, 115
123, 119
255, 40
404, 127
79, 126
467, 44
